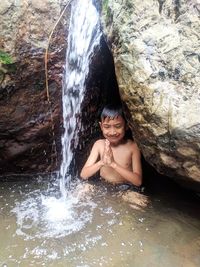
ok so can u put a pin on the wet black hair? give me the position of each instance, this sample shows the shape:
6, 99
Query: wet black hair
111, 111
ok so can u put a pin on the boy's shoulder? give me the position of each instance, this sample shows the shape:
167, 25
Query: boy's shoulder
132, 144
99, 145
100, 142
129, 142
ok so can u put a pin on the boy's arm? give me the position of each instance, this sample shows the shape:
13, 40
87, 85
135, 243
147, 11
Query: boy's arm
135, 176
92, 165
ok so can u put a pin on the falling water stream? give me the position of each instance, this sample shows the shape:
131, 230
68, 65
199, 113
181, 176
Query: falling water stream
84, 35
68, 223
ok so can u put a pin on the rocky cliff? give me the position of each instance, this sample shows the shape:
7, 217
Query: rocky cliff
30, 126
156, 50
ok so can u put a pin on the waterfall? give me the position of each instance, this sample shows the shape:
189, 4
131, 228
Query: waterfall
84, 35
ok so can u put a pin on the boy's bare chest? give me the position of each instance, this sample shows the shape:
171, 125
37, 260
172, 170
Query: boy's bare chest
122, 156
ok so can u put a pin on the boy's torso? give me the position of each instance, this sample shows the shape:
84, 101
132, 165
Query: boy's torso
122, 154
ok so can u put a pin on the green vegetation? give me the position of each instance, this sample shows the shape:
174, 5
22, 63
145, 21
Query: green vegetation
6, 65
5, 58
105, 5
106, 11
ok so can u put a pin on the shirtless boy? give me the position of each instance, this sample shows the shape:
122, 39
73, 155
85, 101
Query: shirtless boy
117, 158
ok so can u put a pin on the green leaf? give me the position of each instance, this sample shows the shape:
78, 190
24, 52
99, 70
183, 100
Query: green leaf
5, 58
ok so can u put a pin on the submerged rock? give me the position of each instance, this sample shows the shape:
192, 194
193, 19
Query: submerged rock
156, 50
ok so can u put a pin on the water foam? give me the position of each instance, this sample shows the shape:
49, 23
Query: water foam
40, 216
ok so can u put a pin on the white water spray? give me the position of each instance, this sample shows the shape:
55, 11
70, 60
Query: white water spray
84, 35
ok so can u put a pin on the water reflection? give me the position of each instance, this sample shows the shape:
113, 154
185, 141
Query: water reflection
94, 227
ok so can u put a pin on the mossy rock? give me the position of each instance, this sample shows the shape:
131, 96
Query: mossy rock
5, 58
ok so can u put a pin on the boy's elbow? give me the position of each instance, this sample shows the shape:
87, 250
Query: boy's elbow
83, 175
138, 182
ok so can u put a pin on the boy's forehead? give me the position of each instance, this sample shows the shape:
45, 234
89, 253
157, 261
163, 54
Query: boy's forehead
113, 119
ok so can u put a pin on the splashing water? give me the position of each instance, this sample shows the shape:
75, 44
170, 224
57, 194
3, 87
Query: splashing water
84, 36
42, 216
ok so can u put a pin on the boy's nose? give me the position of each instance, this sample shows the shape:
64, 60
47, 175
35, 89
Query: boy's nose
112, 131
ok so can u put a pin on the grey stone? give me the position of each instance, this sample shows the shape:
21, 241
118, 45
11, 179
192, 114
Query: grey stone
156, 50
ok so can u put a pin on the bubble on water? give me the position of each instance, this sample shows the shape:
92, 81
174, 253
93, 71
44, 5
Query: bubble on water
141, 219
104, 244
92, 241
108, 210
112, 222
39, 251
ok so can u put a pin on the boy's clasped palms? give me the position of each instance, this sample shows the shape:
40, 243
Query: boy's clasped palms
108, 154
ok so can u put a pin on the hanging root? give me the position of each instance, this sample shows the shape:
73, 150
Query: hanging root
54, 150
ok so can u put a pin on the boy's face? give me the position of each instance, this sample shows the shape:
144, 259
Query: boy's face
113, 129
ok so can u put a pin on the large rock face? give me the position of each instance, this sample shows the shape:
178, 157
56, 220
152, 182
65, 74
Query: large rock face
156, 49
30, 126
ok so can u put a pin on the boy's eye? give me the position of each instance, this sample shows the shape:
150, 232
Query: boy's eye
106, 126
118, 126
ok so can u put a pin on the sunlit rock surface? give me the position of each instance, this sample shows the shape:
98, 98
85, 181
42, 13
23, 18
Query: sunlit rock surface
27, 143
156, 49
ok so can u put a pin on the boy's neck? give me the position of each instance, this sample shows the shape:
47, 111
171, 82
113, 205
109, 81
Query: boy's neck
121, 142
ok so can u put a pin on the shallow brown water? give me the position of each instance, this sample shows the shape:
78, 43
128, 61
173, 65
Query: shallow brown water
95, 228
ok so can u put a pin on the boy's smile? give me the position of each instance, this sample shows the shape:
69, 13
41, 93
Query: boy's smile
113, 129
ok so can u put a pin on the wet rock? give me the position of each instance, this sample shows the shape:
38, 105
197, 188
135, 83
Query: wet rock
156, 50
30, 125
